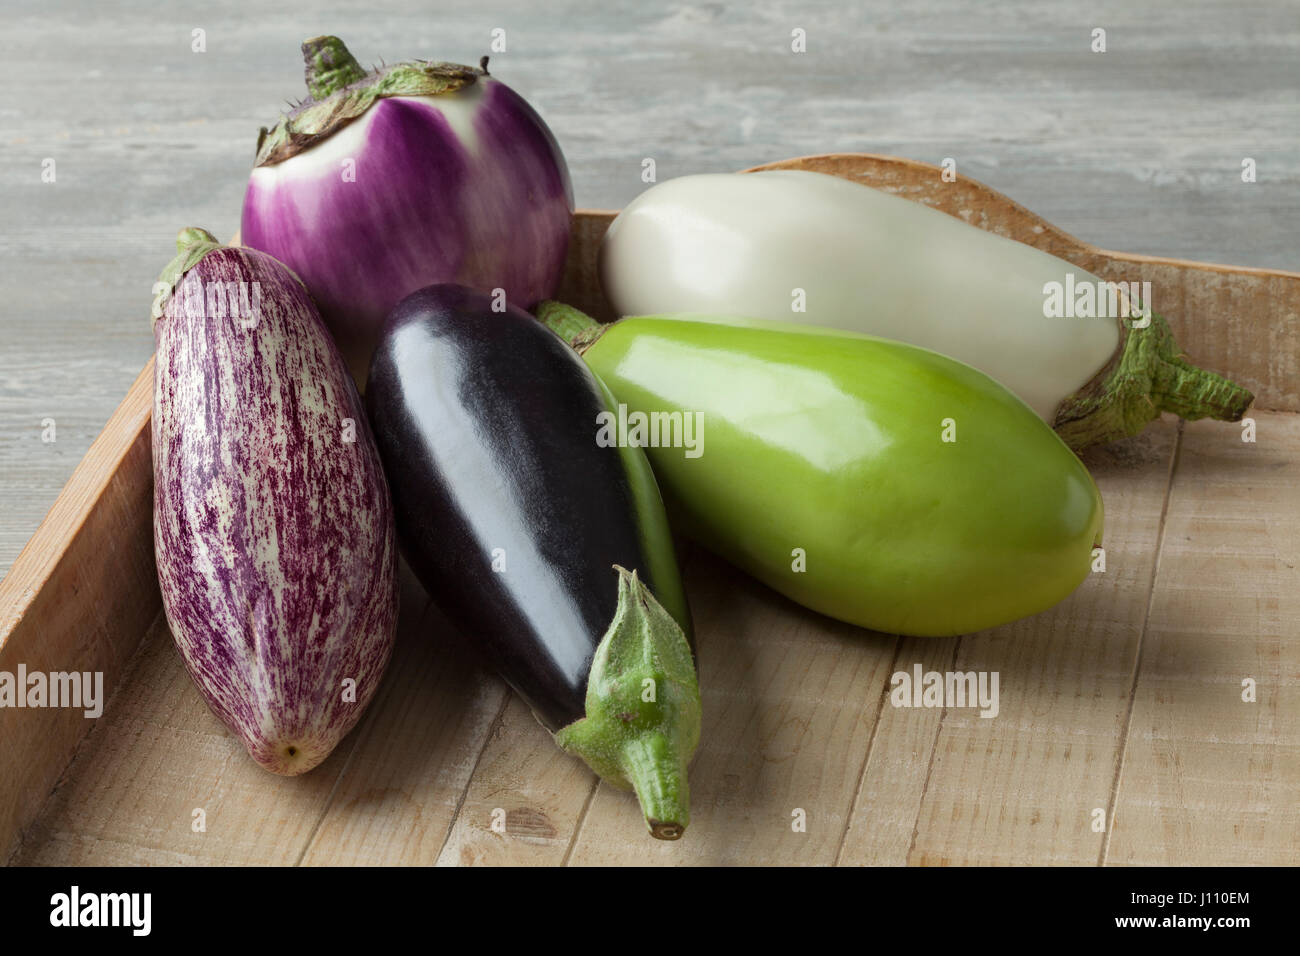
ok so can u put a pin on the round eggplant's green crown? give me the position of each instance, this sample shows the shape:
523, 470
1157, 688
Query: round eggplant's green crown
340, 90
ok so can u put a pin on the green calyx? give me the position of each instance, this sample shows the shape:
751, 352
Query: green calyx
643, 709
330, 67
341, 91
192, 244
573, 325
1150, 376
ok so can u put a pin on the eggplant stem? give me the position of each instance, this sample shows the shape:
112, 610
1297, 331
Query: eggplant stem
573, 325
330, 67
1150, 376
192, 244
658, 775
633, 742
340, 91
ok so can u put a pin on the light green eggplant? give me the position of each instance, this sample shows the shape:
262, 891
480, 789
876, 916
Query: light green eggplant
878, 483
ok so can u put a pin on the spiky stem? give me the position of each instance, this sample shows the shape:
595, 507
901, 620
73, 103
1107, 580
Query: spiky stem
330, 66
1150, 376
341, 91
643, 709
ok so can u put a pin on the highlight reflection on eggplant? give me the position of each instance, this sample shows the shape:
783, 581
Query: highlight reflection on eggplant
513, 517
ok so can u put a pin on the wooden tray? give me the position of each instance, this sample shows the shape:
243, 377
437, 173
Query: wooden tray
1122, 737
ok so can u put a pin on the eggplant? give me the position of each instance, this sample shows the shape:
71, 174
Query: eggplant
903, 531
551, 551
384, 181
866, 261
273, 525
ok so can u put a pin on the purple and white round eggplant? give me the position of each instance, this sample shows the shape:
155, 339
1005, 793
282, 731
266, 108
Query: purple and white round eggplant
384, 182
273, 524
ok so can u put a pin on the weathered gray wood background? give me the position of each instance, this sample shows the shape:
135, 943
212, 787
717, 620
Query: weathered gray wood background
1138, 148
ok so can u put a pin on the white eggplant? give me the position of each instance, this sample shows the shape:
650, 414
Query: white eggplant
807, 247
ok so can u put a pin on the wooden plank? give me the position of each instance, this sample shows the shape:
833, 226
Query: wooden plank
78, 598
580, 286
1208, 778
1020, 787
156, 757
525, 800
158, 754
883, 822
414, 756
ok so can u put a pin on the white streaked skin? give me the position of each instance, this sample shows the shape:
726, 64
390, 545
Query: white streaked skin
273, 535
867, 261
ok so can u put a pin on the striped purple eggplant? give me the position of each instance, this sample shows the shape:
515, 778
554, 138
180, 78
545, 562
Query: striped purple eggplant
273, 524
385, 181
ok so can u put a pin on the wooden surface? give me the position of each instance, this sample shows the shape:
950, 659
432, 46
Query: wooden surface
78, 599
1123, 704
1126, 698
1138, 148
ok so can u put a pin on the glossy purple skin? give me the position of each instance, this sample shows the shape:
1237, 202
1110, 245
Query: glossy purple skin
274, 534
423, 209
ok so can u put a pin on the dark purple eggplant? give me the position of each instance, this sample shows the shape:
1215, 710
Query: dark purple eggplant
520, 525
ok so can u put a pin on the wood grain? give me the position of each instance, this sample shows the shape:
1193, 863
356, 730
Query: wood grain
525, 801
415, 753
79, 598
157, 756
882, 823
1210, 779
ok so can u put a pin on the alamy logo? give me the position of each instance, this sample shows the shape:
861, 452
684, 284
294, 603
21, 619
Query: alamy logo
652, 430
75, 908
217, 299
1100, 299
952, 689
82, 689
214, 299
